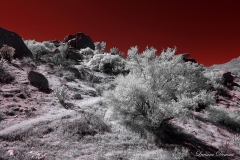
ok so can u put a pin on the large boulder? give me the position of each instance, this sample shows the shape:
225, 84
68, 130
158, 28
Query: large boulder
79, 41
38, 80
14, 40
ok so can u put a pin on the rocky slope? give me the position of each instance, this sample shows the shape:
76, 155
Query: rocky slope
35, 124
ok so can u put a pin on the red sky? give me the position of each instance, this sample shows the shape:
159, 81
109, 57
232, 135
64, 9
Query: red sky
207, 29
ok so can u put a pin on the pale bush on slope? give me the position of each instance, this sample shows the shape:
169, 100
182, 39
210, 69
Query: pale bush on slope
38, 49
216, 80
107, 63
159, 88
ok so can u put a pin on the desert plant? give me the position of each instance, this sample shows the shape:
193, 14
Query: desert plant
61, 94
48, 44
38, 49
159, 88
115, 51
107, 63
180, 153
216, 80
5, 77
87, 51
7, 52
69, 76
224, 117
99, 47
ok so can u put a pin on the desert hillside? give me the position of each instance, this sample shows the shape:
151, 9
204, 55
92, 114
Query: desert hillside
73, 100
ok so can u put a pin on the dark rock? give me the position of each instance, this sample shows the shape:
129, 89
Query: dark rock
186, 59
14, 40
228, 77
15, 109
22, 95
77, 96
190, 60
72, 43
67, 38
79, 41
6, 95
33, 109
229, 80
38, 80
10, 113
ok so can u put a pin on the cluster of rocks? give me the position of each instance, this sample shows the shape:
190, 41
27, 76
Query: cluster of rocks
75, 42
79, 41
16, 109
14, 40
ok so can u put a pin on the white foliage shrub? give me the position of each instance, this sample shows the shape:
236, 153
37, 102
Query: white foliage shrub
87, 51
107, 63
100, 47
157, 89
216, 80
38, 49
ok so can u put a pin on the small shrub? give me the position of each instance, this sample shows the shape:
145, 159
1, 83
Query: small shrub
49, 45
83, 125
107, 63
38, 49
99, 47
180, 153
4, 76
61, 94
115, 51
87, 51
224, 117
69, 76
216, 80
7, 52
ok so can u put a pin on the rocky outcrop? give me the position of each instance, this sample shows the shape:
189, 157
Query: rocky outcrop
14, 40
79, 41
229, 80
38, 80
186, 59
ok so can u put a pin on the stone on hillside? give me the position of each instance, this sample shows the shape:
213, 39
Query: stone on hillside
38, 80
79, 41
14, 40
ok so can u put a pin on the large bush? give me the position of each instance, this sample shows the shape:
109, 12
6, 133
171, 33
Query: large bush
216, 80
38, 49
157, 89
107, 63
